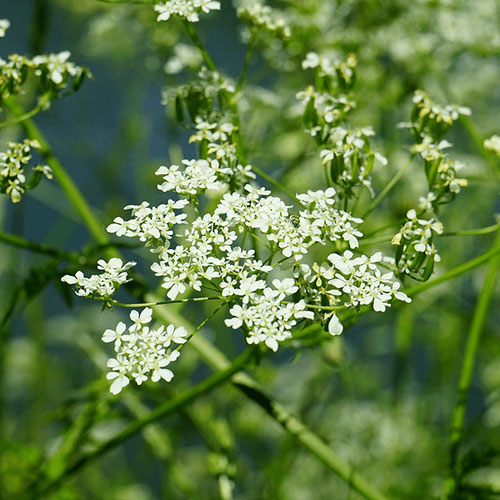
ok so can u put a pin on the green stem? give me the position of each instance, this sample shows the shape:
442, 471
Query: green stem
23, 117
19, 242
137, 425
468, 364
374, 204
474, 232
65, 181
294, 426
197, 41
201, 325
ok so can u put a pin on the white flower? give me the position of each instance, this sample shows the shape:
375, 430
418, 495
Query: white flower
335, 326
139, 320
177, 335
285, 287
493, 144
115, 335
4, 26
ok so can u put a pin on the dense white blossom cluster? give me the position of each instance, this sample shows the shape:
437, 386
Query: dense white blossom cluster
266, 301
4, 26
104, 285
348, 281
141, 351
416, 249
185, 9
264, 17
12, 165
150, 224
493, 144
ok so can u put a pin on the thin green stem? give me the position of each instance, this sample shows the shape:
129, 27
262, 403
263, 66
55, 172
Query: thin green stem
474, 232
294, 426
167, 408
374, 204
197, 41
18, 119
201, 325
468, 365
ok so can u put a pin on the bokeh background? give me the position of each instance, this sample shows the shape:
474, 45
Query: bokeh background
382, 394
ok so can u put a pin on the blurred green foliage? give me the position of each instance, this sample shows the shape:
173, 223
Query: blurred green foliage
382, 394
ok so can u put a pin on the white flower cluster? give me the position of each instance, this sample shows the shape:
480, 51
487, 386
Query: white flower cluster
349, 157
56, 67
12, 164
493, 144
198, 177
102, 285
416, 249
210, 255
264, 17
4, 26
326, 109
346, 152
142, 352
152, 225
350, 282
185, 9
54, 71
264, 314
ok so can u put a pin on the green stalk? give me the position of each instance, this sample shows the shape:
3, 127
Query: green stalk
468, 364
137, 425
19, 242
197, 41
293, 425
